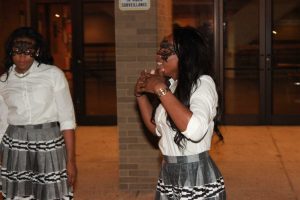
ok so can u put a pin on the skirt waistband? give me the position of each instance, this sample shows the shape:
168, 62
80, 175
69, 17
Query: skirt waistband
37, 126
186, 159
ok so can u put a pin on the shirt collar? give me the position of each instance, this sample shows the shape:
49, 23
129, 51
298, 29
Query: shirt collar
173, 84
172, 81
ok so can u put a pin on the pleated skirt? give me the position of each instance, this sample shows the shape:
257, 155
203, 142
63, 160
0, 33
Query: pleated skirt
194, 177
34, 163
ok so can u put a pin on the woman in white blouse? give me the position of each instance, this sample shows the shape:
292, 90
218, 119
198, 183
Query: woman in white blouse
37, 122
183, 117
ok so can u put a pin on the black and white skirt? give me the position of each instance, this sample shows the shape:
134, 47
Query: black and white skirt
190, 178
34, 163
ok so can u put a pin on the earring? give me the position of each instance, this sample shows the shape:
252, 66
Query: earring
37, 54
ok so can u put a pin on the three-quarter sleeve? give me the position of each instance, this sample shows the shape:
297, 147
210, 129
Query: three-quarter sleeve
3, 117
203, 105
63, 100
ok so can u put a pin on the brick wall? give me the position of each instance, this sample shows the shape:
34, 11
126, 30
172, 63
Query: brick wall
137, 39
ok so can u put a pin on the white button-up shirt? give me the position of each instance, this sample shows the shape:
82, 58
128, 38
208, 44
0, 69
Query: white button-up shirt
203, 105
39, 96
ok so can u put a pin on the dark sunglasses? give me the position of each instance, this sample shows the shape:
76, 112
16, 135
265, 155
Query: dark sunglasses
23, 47
166, 50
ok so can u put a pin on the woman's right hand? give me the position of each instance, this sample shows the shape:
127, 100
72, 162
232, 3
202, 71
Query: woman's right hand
143, 102
139, 86
148, 82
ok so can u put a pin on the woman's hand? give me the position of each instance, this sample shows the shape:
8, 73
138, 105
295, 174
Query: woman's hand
69, 137
149, 83
72, 173
143, 102
140, 85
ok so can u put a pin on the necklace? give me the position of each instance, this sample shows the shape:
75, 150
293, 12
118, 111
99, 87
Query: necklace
21, 75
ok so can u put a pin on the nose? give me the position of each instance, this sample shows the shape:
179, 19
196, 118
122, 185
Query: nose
23, 56
159, 61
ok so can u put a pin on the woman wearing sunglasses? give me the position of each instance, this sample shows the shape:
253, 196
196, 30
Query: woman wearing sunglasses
37, 122
183, 116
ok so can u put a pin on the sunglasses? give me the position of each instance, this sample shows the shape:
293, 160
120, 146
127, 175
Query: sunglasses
166, 50
23, 47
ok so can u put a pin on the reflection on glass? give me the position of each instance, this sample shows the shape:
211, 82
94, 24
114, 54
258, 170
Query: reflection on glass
99, 58
286, 92
240, 92
286, 59
100, 93
241, 56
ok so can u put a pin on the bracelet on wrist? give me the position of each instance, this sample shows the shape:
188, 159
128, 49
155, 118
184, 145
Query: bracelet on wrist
162, 92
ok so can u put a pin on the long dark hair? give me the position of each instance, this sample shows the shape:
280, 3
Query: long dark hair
44, 55
194, 53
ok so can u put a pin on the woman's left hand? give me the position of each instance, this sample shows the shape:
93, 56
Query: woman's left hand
153, 82
72, 173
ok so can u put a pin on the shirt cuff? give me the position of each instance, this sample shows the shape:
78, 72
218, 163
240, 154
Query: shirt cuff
66, 125
196, 129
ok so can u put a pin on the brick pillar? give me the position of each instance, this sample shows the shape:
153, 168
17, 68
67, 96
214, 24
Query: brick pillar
136, 45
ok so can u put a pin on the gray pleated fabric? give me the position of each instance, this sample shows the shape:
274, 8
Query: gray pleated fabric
34, 163
190, 178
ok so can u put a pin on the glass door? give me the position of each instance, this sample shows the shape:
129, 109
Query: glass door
94, 58
261, 66
99, 57
242, 80
284, 66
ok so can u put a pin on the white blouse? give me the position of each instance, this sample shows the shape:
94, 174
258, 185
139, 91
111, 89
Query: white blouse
203, 105
39, 96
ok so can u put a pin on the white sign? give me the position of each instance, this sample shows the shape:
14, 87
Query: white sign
134, 4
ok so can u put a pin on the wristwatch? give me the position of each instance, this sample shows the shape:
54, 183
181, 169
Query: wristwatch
162, 92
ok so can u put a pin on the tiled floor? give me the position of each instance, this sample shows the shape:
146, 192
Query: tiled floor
258, 163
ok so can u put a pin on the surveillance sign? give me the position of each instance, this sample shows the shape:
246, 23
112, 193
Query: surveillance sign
134, 4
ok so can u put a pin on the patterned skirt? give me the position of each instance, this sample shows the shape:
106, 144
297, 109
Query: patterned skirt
190, 178
34, 163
